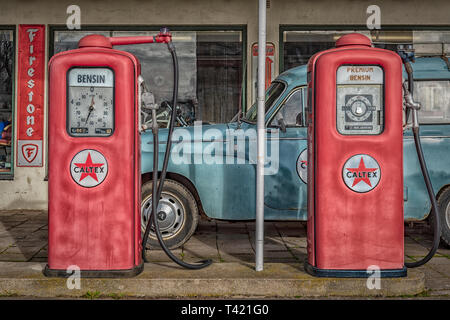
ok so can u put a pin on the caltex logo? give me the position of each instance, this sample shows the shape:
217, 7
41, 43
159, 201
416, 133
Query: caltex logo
302, 165
88, 168
361, 173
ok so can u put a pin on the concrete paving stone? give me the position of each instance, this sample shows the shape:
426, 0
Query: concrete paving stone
30, 243
439, 293
37, 236
195, 256
206, 228
299, 253
240, 258
236, 249
38, 259
437, 283
441, 265
232, 236
274, 255
41, 254
22, 228
32, 225
201, 242
295, 242
7, 240
13, 218
9, 225
158, 256
415, 250
444, 251
274, 247
231, 230
13, 257
200, 249
292, 232
23, 250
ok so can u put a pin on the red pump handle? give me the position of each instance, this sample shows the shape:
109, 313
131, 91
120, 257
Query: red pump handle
96, 40
164, 36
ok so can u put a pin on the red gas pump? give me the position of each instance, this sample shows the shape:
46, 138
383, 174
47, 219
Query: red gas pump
355, 178
94, 159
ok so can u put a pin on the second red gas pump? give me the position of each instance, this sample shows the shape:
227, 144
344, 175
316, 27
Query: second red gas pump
355, 161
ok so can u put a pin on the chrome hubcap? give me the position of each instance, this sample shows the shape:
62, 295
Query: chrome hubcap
170, 215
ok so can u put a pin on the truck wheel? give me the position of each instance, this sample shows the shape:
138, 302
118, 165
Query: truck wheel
444, 210
177, 214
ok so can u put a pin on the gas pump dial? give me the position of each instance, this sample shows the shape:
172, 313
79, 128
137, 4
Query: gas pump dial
90, 102
359, 96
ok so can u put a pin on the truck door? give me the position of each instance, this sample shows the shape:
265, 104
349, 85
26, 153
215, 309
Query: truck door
285, 191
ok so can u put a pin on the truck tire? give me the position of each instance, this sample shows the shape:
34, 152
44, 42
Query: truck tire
177, 214
444, 210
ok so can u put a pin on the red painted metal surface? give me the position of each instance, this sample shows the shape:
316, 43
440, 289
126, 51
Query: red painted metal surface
95, 228
349, 230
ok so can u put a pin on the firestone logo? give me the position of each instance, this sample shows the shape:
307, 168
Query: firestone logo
88, 168
361, 173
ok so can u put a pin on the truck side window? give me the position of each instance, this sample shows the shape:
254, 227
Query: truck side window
291, 111
434, 95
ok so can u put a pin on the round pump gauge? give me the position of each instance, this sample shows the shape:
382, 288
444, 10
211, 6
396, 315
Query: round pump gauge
90, 102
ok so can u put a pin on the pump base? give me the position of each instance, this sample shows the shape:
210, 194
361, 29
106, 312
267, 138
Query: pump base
335, 273
128, 273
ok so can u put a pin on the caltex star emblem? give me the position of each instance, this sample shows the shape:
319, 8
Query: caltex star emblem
362, 173
89, 169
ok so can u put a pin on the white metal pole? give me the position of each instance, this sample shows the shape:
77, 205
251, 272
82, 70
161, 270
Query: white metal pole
259, 245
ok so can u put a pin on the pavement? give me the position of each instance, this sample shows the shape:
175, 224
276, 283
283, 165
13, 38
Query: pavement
23, 254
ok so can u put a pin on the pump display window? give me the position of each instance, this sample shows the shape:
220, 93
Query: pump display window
6, 101
211, 70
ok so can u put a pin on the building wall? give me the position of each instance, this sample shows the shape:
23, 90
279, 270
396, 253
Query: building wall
28, 190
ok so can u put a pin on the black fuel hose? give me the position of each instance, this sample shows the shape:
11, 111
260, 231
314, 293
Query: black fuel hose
426, 176
434, 205
156, 192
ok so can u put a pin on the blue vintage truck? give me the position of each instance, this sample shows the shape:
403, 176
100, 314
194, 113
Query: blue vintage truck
222, 185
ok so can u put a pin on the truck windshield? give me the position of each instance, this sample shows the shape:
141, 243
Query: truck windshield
272, 94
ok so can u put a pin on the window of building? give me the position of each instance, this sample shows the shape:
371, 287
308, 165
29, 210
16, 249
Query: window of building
211, 66
298, 44
6, 102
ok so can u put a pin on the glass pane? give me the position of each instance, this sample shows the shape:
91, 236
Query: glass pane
435, 99
6, 99
290, 110
211, 70
272, 94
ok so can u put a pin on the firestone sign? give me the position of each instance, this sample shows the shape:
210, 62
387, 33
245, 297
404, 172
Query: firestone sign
30, 101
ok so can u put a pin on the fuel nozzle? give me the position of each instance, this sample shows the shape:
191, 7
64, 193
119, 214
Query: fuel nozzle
411, 105
164, 36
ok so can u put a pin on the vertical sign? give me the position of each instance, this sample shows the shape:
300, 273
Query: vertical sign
30, 99
270, 70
